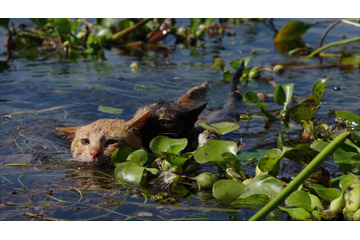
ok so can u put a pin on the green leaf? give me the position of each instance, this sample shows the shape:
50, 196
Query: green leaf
75, 24
129, 172
263, 184
212, 151
283, 94
121, 154
299, 199
350, 58
227, 75
163, 144
251, 98
267, 162
352, 119
227, 190
176, 159
298, 214
347, 180
302, 112
316, 203
220, 128
110, 110
236, 63
106, 22
327, 194
292, 31
319, 88
218, 64
62, 25
41, 21
139, 156
4, 22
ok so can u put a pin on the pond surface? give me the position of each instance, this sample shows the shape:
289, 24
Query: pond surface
38, 94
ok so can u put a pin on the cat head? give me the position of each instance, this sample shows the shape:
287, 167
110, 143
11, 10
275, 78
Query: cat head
97, 141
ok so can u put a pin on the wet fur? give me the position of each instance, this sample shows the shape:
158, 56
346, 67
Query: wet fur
97, 141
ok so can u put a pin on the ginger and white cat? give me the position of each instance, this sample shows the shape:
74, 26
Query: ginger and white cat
97, 141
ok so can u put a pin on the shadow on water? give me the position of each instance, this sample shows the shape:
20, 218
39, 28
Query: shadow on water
38, 178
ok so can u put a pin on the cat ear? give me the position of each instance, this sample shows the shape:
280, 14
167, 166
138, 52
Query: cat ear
138, 122
69, 131
193, 113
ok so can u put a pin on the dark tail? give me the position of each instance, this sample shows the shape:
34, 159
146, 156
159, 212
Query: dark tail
234, 91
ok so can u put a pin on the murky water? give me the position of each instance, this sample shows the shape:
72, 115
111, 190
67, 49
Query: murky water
47, 182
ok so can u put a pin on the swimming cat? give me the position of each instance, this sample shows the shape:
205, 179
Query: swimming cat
97, 141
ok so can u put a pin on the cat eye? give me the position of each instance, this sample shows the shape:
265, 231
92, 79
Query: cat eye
85, 141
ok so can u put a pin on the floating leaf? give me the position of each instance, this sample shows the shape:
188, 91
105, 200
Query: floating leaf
350, 58
251, 98
220, 128
139, 156
299, 199
352, 119
327, 194
291, 31
237, 63
227, 190
161, 144
302, 112
212, 151
297, 213
129, 172
263, 184
176, 159
267, 162
110, 110
205, 180
227, 75
319, 88
121, 154
253, 200
218, 64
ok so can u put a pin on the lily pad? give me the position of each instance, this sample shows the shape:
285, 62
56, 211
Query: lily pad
251, 98
212, 151
299, 199
161, 144
220, 128
227, 190
319, 88
316, 203
129, 172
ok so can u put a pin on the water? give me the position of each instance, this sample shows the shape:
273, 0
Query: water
48, 183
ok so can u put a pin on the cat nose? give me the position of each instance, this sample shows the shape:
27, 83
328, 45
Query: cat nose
94, 153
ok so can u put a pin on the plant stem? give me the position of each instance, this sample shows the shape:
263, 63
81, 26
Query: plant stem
332, 45
308, 170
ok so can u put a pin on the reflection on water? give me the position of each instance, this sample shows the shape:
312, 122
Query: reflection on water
44, 180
